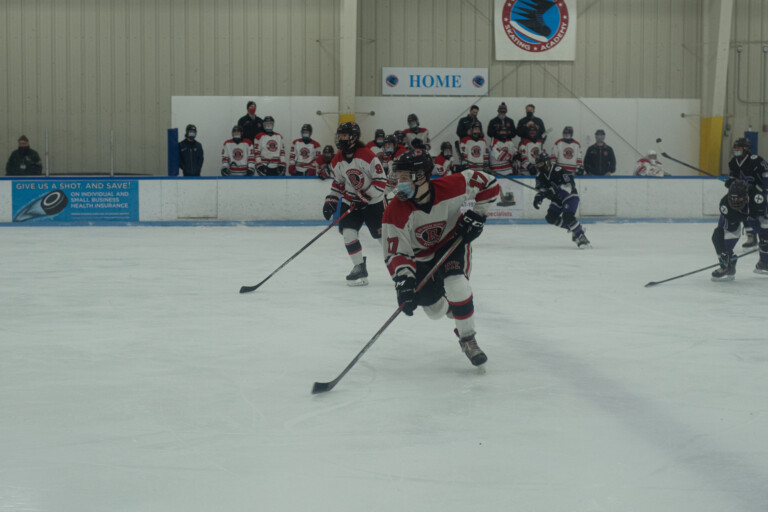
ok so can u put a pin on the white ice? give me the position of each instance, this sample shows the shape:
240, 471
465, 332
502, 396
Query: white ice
135, 377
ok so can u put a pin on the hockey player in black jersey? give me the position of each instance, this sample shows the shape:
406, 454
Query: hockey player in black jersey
556, 184
744, 204
751, 168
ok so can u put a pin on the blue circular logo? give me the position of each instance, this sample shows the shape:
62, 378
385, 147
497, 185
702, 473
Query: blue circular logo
535, 25
392, 80
478, 81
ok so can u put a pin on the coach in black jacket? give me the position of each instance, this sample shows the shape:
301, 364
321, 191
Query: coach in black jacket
190, 153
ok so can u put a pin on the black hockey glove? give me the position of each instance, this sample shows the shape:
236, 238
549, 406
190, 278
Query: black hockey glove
329, 208
225, 171
538, 199
281, 170
470, 226
580, 171
249, 172
406, 293
262, 170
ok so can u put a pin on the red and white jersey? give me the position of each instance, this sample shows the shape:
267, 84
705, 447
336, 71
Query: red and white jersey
567, 155
238, 157
443, 166
412, 234
378, 151
321, 168
303, 155
269, 150
361, 180
502, 154
648, 167
475, 152
529, 150
421, 134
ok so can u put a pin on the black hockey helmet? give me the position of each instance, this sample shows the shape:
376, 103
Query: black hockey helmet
379, 133
400, 136
446, 145
738, 194
190, 127
353, 130
568, 130
742, 143
237, 129
415, 161
389, 139
503, 132
306, 128
472, 127
542, 158
269, 119
329, 150
412, 118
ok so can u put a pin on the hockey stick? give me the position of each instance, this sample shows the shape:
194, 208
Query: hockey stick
666, 155
654, 283
489, 171
246, 289
322, 387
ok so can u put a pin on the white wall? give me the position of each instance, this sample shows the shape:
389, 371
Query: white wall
632, 125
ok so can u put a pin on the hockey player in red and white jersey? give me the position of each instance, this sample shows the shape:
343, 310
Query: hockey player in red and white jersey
304, 152
269, 150
474, 149
377, 144
567, 153
416, 136
502, 151
323, 168
650, 165
359, 180
530, 147
237, 155
444, 161
420, 225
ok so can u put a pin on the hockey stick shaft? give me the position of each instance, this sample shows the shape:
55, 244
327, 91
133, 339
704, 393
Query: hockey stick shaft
654, 283
246, 289
511, 178
322, 387
667, 155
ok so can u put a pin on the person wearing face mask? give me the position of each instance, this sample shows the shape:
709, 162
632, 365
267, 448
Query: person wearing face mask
304, 152
416, 136
24, 161
190, 153
444, 161
269, 150
501, 120
251, 124
567, 153
502, 151
377, 144
752, 169
650, 165
237, 157
531, 146
600, 159
323, 169
420, 225
465, 123
474, 149
530, 117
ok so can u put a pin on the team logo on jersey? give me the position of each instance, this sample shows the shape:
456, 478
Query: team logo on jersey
430, 234
237, 154
304, 153
392, 80
535, 152
568, 153
356, 178
535, 25
478, 81
475, 151
272, 145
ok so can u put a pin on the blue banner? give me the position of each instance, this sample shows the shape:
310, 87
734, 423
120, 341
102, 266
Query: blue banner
68, 200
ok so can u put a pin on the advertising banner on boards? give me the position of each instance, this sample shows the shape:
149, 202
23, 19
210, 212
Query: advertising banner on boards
434, 81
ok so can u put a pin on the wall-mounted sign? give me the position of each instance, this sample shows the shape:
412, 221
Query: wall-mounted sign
535, 29
434, 81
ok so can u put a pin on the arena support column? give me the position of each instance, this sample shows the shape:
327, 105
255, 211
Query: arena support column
348, 60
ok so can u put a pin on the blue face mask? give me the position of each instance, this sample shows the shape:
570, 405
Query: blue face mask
191, 135
737, 153
414, 126
404, 188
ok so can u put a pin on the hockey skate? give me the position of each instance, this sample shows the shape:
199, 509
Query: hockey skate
469, 346
358, 276
761, 268
582, 242
750, 242
727, 269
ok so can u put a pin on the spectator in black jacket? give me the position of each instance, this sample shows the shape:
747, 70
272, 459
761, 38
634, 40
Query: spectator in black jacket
190, 153
251, 124
24, 161
600, 160
465, 123
502, 119
529, 111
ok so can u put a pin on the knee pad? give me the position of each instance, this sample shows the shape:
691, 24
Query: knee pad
437, 310
553, 218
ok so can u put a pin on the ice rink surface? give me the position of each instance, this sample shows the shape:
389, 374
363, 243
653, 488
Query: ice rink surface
135, 377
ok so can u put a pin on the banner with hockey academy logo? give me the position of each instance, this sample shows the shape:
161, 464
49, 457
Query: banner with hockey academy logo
535, 29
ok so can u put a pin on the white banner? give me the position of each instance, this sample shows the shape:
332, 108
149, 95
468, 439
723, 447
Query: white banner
535, 29
434, 81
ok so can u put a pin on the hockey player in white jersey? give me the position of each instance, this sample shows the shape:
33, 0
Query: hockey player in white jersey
502, 151
474, 149
444, 161
416, 136
304, 152
650, 165
359, 180
567, 153
269, 150
237, 155
377, 144
420, 225
530, 147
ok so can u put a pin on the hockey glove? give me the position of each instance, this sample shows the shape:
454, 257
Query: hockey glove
580, 171
292, 170
537, 200
405, 286
225, 171
250, 172
329, 208
281, 170
262, 170
470, 226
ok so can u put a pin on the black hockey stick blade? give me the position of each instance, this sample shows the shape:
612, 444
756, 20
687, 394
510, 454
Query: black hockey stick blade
246, 289
654, 283
322, 387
